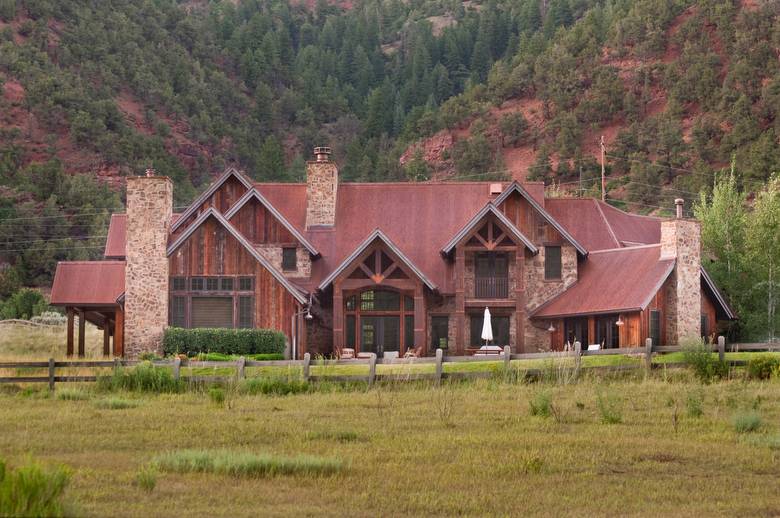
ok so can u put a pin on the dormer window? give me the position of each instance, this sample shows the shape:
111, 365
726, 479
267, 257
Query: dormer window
289, 259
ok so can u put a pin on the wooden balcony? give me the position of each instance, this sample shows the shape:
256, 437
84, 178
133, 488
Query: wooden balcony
491, 287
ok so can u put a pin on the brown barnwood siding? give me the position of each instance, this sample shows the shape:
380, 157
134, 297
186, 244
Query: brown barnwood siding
526, 219
657, 303
630, 331
260, 226
222, 199
708, 308
211, 250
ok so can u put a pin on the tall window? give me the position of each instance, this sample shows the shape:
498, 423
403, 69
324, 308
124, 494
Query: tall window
655, 327
552, 263
440, 332
178, 311
607, 331
500, 327
289, 259
491, 276
705, 327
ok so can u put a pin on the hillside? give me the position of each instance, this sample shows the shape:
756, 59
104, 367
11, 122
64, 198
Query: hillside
418, 89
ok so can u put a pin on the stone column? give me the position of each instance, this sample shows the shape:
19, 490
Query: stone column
149, 207
680, 240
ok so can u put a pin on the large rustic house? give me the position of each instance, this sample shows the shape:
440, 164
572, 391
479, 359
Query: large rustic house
390, 267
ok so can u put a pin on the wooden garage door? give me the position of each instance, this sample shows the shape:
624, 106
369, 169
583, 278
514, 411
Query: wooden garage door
212, 311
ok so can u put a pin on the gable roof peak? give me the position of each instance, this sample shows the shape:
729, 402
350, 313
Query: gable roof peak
230, 172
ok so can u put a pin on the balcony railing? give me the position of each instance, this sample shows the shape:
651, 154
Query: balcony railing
491, 287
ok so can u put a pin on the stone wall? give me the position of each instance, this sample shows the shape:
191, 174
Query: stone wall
321, 189
149, 207
681, 240
274, 255
537, 339
537, 289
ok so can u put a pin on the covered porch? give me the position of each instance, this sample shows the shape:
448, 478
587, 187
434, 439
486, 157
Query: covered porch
91, 291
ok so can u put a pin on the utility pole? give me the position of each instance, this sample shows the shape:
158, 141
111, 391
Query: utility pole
603, 176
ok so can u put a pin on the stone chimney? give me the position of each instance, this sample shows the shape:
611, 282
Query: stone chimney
149, 207
681, 240
322, 180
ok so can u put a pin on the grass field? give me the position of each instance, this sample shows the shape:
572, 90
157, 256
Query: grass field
470, 448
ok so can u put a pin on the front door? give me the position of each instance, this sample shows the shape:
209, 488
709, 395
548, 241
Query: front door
380, 334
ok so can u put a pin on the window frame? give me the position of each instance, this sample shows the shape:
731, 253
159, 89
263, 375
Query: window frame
559, 269
289, 262
236, 287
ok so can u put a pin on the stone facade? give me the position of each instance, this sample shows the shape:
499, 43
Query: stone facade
149, 207
322, 180
681, 240
539, 290
274, 255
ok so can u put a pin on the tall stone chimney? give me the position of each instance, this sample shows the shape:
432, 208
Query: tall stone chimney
149, 207
681, 240
322, 180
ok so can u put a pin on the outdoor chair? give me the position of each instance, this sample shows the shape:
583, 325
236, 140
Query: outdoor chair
347, 354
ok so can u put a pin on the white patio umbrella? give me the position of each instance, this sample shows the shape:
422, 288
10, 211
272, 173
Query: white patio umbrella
487, 327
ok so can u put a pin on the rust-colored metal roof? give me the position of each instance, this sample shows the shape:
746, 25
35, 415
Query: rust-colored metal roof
88, 283
117, 236
600, 226
611, 281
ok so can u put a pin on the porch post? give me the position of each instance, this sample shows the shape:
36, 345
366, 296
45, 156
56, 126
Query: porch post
119, 332
520, 299
82, 322
69, 342
106, 336
420, 320
338, 316
460, 299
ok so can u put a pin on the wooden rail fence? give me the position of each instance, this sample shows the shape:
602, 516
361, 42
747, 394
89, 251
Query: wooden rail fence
439, 360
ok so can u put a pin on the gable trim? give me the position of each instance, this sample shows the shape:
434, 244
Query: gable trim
254, 193
229, 172
489, 208
660, 284
719, 297
516, 187
211, 212
376, 234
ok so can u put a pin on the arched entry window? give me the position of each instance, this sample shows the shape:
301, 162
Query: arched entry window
379, 321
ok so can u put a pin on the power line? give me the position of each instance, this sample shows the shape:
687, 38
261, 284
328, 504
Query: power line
48, 240
42, 249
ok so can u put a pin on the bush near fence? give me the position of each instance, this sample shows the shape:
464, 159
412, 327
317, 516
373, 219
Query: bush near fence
224, 341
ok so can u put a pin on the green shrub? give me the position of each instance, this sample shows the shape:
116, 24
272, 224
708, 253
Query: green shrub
146, 478
25, 304
225, 341
72, 395
693, 404
704, 363
746, 422
217, 395
273, 386
31, 491
541, 404
143, 378
115, 403
610, 409
761, 366
242, 464
220, 357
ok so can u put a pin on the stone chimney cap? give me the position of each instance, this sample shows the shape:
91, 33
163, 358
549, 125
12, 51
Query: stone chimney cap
322, 153
149, 172
678, 202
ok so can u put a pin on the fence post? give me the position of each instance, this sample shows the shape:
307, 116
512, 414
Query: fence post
722, 348
306, 364
176, 368
51, 373
371, 369
117, 364
507, 357
577, 356
648, 354
240, 368
439, 366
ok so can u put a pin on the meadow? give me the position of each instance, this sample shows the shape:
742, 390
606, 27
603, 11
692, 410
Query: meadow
624, 443
631, 445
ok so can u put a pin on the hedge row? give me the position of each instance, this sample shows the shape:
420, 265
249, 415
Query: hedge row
226, 341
